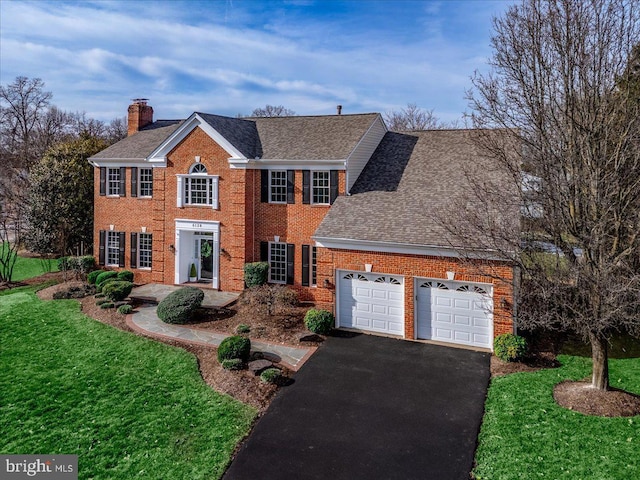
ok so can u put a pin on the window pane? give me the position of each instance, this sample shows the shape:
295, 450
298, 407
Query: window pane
278, 186
144, 250
113, 181
199, 191
146, 182
113, 248
278, 262
321, 191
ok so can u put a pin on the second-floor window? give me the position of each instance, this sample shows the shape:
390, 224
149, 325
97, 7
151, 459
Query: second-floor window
198, 188
146, 182
278, 186
321, 192
113, 181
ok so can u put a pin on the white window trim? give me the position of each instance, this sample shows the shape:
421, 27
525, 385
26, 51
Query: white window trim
271, 280
108, 186
312, 187
283, 202
139, 192
182, 183
138, 251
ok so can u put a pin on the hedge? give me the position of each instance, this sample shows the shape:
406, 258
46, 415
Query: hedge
255, 274
117, 290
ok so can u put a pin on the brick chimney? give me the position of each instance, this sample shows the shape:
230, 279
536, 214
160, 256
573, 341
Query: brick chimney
139, 115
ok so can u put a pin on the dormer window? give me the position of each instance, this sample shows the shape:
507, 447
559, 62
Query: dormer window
197, 188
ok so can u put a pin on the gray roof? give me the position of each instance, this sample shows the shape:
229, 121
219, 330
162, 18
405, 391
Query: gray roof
139, 145
412, 181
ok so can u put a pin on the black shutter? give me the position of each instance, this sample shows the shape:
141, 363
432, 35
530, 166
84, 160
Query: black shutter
305, 265
291, 182
101, 249
333, 184
134, 250
264, 251
264, 186
121, 246
123, 181
134, 181
291, 250
306, 187
103, 181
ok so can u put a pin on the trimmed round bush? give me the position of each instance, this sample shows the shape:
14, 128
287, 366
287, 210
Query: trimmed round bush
106, 305
319, 321
255, 274
234, 347
232, 364
242, 328
125, 309
271, 375
509, 347
178, 306
117, 290
125, 275
104, 276
92, 277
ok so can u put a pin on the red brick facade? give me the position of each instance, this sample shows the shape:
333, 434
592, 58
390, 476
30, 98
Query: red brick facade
245, 222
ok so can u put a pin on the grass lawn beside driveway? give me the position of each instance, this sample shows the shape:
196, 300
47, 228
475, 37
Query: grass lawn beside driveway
128, 406
526, 435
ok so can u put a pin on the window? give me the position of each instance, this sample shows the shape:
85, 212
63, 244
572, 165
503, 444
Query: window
198, 188
314, 266
113, 249
309, 266
320, 187
146, 182
278, 186
113, 181
278, 262
144, 250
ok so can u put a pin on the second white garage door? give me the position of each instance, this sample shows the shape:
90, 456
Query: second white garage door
454, 312
370, 301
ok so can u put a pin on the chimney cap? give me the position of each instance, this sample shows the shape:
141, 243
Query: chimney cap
339, 108
140, 101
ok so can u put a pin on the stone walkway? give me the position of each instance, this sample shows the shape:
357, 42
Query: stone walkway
146, 321
155, 292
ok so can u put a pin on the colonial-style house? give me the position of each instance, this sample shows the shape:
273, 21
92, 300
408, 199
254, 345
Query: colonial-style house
337, 205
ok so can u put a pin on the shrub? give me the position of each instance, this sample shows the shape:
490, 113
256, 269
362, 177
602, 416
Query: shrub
193, 273
117, 290
234, 347
104, 276
255, 274
242, 328
509, 347
270, 299
178, 306
271, 375
106, 305
125, 309
125, 275
100, 301
91, 278
85, 264
63, 264
232, 364
99, 295
319, 321
74, 292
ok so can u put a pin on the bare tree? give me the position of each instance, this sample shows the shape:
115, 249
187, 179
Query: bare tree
414, 118
272, 111
556, 90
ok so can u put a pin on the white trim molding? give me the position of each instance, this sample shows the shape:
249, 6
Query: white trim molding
284, 164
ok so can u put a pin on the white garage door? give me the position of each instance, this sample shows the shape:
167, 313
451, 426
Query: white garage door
372, 302
454, 312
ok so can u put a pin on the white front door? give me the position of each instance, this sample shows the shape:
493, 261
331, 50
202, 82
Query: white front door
454, 312
371, 301
197, 243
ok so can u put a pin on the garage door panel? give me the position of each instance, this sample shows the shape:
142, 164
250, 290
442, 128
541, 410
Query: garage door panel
371, 302
451, 311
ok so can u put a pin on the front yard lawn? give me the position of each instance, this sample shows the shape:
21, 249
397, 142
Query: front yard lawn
30, 267
128, 406
526, 435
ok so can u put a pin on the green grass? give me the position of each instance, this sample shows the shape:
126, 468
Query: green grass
30, 267
128, 406
526, 435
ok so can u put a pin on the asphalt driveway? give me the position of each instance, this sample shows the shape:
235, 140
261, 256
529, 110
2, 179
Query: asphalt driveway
367, 407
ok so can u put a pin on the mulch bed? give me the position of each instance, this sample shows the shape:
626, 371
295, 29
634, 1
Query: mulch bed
583, 398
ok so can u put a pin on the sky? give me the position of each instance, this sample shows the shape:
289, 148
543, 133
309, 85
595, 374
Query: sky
229, 57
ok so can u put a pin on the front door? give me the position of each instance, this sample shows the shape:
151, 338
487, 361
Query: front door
205, 249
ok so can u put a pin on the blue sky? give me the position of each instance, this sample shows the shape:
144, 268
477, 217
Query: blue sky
231, 56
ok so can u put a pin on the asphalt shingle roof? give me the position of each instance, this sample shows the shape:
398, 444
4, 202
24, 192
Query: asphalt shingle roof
411, 181
140, 144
